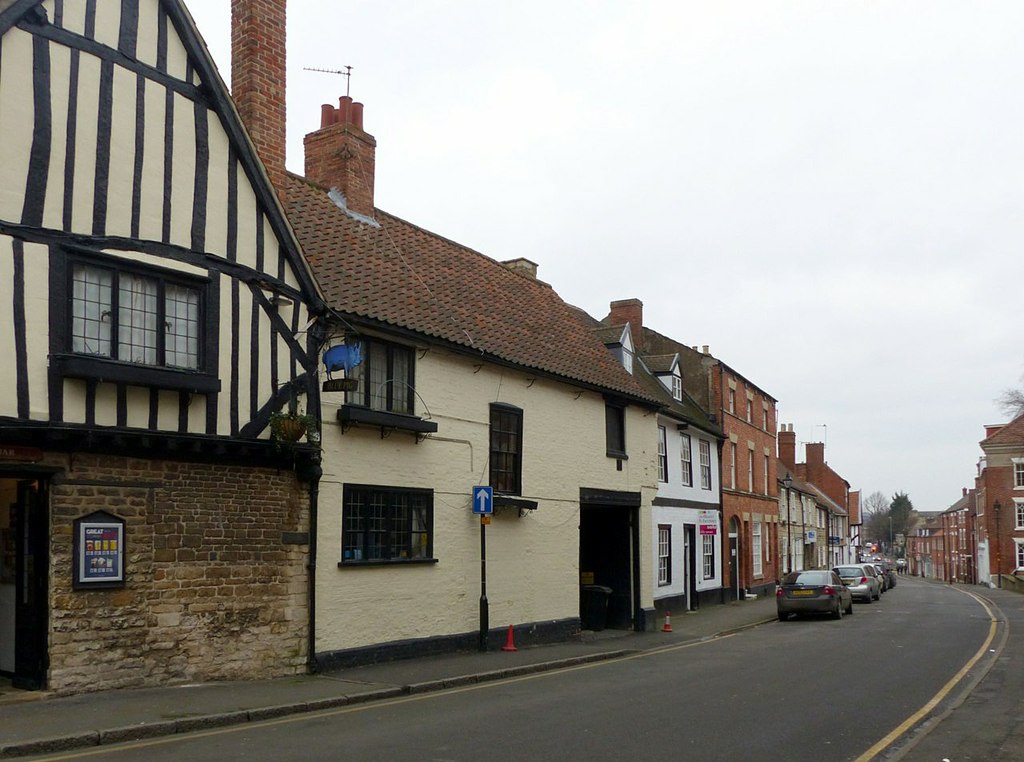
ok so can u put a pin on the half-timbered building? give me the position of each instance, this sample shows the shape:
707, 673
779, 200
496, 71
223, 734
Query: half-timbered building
157, 315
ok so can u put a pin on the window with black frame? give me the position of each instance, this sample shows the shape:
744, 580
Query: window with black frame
506, 449
135, 316
386, 524
385, 378
615, 430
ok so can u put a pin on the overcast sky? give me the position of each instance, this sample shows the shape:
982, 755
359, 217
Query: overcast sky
827, 193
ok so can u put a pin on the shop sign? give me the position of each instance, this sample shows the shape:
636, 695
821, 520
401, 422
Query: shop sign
99, 551
20, 454
708, 522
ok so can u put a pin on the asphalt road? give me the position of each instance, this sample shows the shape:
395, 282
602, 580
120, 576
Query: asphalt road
801, 690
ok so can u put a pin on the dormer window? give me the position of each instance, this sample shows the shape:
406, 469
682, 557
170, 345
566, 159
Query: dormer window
627, 360
677, 388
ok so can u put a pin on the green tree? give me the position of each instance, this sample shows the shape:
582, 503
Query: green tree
900, 511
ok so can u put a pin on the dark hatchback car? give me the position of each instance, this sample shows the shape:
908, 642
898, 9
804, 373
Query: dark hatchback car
813, 592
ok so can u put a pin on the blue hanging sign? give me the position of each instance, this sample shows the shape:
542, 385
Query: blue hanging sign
343, 356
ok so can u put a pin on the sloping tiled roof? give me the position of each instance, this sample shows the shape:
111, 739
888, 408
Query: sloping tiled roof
685, 409
660, 363
1010, 434
403, 276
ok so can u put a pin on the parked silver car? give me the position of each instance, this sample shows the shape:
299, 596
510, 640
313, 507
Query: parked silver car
818, 591
862, 580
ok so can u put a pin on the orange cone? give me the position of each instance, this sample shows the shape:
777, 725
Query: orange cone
509, 642
667, 627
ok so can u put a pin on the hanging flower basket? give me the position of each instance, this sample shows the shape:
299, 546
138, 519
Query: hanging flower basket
290, 427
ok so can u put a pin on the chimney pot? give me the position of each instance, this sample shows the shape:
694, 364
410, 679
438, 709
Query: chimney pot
343, 158
706, 347
326, 115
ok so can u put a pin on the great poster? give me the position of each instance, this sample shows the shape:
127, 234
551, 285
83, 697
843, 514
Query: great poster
100, 552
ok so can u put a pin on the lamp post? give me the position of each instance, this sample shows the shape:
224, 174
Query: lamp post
999, 550
890, 535
787, 483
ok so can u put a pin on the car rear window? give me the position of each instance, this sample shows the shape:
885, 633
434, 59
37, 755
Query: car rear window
807, 578
850, 571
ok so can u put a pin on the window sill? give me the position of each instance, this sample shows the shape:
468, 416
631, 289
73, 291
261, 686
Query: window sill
616, 454
388, 562
102, 369
349, 414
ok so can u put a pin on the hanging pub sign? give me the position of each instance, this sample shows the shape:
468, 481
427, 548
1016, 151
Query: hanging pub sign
99, 551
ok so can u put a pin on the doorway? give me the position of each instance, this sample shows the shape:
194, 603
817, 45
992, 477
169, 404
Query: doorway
734, 558
690, 559
24, 566
609, 558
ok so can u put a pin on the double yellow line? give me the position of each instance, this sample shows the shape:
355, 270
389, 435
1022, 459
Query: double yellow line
923, 712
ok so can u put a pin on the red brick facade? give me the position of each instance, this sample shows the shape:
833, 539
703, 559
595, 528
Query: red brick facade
258, 76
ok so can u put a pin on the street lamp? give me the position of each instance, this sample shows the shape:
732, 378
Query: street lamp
788, 482
999, 550
890, 536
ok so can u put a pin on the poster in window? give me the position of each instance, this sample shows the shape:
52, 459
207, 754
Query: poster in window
99, 551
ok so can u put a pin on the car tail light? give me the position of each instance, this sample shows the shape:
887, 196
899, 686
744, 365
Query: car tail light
863, 580
829, 590
779, 592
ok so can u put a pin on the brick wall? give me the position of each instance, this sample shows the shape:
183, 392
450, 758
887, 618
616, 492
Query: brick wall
213, 590
342, 155
258, 77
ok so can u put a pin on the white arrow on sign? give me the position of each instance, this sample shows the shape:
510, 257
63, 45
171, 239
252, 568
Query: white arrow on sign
482, 498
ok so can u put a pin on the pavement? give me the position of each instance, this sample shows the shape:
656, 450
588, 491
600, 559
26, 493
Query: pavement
37, 722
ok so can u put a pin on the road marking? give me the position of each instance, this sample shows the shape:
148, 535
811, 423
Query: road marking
917, 716
303, 716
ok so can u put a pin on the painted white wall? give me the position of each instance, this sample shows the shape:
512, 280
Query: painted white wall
674, 487
532, 562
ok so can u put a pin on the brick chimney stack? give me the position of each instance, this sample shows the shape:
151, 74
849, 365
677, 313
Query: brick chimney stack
258, 77
629, 311
342, 155
787, 446
815, 454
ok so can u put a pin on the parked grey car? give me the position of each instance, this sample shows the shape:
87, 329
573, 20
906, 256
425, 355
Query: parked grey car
819, 591
862, 580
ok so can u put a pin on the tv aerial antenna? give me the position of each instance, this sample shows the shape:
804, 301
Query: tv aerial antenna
347, 74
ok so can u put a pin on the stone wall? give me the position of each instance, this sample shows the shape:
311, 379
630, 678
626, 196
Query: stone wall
216, 577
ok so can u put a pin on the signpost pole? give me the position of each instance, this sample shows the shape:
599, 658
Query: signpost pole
484, 614
483, 506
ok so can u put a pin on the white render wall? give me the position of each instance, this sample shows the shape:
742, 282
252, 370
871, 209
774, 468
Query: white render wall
532, 562
677, 517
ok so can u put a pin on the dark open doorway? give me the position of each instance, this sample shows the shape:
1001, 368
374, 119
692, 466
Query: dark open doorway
609, 556
24, 566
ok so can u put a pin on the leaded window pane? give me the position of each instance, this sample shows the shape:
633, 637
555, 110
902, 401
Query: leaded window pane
92, 288
386, 524
137, 319
182, 326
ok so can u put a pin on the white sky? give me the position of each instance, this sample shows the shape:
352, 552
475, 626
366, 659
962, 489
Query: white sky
827, 193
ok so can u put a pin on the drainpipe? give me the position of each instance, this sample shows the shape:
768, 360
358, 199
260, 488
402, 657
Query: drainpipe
316, 471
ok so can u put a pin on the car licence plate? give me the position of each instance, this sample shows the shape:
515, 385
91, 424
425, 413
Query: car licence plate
802, 592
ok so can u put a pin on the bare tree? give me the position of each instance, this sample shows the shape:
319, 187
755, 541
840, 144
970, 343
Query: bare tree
1011, 401
876, 515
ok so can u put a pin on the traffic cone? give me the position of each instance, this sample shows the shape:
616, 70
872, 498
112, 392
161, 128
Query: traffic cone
509, 643
667, 627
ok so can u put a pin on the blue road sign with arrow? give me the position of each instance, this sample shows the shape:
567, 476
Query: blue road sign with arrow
483, 500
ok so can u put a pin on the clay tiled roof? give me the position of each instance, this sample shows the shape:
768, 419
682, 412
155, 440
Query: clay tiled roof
402, 276
660, 363
1010, 434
